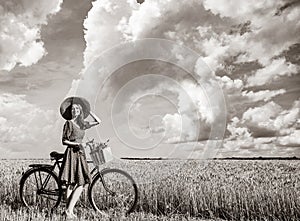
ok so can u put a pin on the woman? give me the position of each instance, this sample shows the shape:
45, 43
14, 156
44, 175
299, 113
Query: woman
74, 172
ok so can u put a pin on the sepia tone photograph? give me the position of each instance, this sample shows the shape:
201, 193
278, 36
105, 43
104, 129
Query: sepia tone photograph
150, 110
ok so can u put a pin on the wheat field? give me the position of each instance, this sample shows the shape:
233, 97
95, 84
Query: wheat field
182, 190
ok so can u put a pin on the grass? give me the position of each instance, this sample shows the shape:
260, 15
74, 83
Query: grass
184, 190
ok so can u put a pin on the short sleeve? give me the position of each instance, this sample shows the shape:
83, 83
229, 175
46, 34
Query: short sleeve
67, 131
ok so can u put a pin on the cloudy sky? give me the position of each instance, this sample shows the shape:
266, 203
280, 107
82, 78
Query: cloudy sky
166, 106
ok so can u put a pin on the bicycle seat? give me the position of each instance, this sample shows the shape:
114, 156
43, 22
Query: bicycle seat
56, 156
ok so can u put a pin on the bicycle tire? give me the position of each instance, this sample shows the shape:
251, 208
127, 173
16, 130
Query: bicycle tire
102, 200
48, 197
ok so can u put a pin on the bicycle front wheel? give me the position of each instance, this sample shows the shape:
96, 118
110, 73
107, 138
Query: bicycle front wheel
40, 189
113, 190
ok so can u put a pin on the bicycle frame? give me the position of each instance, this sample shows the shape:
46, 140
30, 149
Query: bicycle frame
41, 190
46, 186
57, 164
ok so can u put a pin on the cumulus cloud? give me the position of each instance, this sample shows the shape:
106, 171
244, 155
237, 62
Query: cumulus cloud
242, 9
264, 95
24, 124
270, 119
197, 113
20, 26
237, 130
102, 27
224, 33
206, 33
129, 21
254, 147
173, 127
261, 130
292, 140
194, 116
265, 40
218, 47
241, 141
261, 116
230, 85
272, 116
277, 68
287, 118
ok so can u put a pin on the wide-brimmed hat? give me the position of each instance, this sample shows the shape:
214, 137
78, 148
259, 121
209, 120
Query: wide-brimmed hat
66, 107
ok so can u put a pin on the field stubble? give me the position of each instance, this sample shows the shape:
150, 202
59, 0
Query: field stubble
185, 190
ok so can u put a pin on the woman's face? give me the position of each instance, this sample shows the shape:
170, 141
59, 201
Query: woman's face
75, 110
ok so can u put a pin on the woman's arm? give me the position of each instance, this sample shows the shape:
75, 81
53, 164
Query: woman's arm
67, 142
76, 145
95, 117
96, 122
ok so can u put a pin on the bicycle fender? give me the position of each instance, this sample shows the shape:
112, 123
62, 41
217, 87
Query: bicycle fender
40, 165
31, 169
97, 173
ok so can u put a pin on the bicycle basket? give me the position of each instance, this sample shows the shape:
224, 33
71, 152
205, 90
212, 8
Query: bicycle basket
101, 155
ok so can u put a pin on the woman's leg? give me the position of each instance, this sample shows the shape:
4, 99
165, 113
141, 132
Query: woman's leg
69, 192
74, 198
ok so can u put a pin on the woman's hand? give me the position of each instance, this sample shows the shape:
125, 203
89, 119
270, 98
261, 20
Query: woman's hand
79, 147
82, 145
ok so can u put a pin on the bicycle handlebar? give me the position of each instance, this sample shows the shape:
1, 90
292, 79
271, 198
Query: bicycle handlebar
88, 143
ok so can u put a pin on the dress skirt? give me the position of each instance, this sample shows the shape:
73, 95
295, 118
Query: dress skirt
74, 169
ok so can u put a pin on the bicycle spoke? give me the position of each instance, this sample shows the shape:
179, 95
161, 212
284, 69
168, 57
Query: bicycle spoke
48, 197
117, 192
45, 182
36, 181
40, 189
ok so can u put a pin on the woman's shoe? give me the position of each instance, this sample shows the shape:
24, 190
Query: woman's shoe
69, 215
73, 215
103, 214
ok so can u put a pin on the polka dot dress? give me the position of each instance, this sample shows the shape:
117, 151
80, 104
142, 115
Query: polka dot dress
74, 168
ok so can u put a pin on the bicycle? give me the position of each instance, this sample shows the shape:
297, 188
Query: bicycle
110, 189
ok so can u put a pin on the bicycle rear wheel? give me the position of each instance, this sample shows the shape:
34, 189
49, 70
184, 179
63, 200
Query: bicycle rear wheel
40, 189
113, 190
